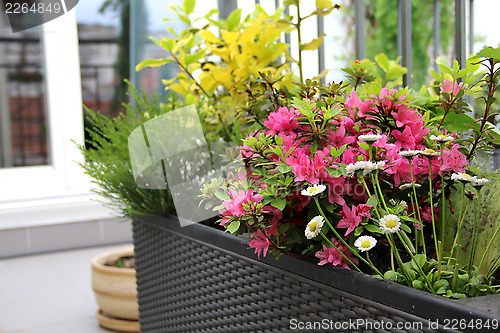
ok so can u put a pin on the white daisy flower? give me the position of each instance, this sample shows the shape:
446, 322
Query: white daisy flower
314, 226
364, 166
365, 243
479, 182
311, 191
430, 152
369, 137
441, 138
462, 177
406, 186
390, 224
409, 153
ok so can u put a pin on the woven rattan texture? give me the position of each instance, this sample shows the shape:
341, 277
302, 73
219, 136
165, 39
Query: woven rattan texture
185, 286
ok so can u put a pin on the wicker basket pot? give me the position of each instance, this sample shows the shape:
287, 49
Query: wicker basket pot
199, 279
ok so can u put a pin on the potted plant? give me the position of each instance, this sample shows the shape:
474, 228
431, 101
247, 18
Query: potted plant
114, 285
352, 175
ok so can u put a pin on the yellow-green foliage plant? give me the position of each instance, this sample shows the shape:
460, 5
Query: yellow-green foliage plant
215, 69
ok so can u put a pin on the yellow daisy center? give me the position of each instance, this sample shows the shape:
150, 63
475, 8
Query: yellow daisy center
430, 151
366, 244
441, 136
312, 190
391, 223
313, 226
465, 175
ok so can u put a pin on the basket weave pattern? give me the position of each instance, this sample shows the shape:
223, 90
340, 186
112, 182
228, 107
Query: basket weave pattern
185, 286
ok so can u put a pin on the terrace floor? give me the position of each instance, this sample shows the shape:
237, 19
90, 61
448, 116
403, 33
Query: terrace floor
49, 293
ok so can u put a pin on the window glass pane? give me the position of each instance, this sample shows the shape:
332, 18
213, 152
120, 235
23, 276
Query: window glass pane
23, 113
103, 58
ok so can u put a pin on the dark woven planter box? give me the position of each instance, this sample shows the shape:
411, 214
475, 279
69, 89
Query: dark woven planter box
199, 279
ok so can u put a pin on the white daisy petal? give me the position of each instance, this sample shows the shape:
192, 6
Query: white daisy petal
365, 243
313, 190
314, 226
369, 137
390, 224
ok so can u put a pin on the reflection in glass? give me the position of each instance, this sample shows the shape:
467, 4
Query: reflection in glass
23, 116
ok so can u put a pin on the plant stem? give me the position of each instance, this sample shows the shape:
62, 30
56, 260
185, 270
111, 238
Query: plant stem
417, 208
461, 221
299, 36
377, 185
475, 231
343, 255
369, 195
488, 247
432, 205
489, 97
342, 240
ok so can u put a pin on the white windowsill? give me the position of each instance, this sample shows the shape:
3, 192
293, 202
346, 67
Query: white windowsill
69, 209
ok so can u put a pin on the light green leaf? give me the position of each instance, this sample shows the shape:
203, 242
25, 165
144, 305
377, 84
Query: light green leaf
279, 203
152, 63
233, 20
188, 6
233, 227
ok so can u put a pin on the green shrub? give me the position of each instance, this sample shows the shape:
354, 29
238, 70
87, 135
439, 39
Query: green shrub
108, 163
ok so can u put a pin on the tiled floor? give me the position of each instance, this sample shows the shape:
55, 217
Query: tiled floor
49, 293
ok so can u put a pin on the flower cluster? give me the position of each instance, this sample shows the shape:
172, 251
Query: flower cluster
343, 174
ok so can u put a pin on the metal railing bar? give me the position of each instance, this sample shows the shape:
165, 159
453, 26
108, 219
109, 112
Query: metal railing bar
359, 23
471, 27
321, 50
460, 47
436, 37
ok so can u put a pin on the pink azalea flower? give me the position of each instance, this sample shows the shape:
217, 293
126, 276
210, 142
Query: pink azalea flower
450, 87
426, 214
260, 243
235, 204
350, 219
337, 187
382, 143
331, 255
282, 120
404, 140
405, 115
454, 160
364, 210
338, 138
419, 131
354, 103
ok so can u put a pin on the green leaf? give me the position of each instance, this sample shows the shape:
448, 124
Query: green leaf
373, 229
279, 203
233, 20
222, 196
188, 6
233, 226
489, 52
418, 261
363, 145
382, 61
285, 168
283, 228
391, 276
152, 63
417, 284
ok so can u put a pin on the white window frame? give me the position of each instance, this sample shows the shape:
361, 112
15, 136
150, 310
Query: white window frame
62, 184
